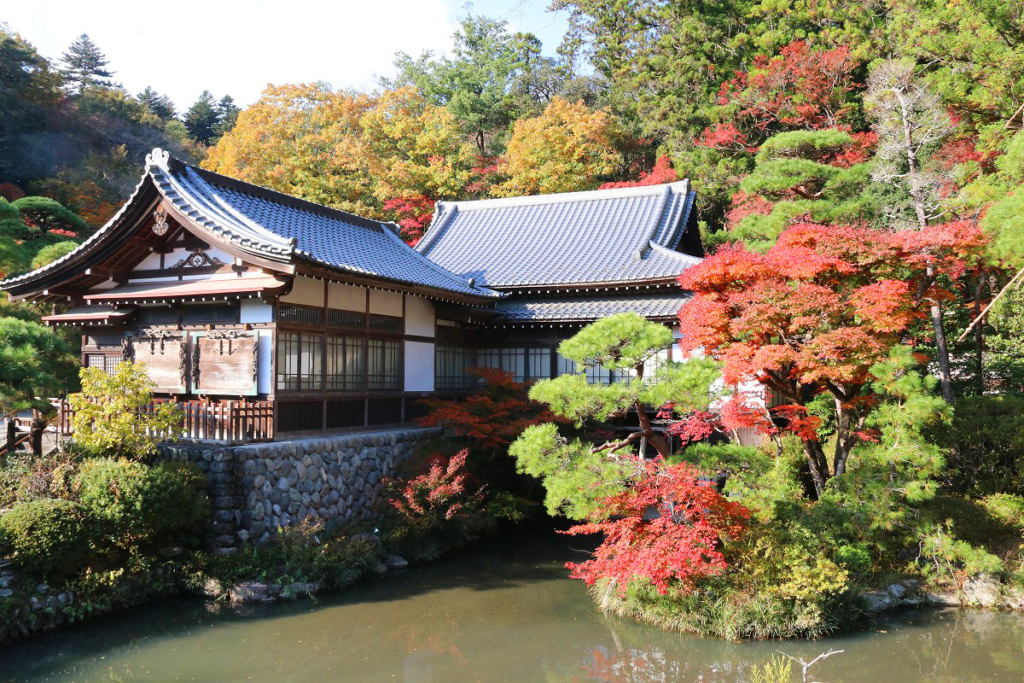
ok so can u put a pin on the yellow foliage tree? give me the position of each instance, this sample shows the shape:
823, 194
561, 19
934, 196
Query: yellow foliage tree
350, 151
565, 149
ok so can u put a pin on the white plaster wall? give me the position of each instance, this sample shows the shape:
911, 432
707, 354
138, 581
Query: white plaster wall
151, 262
346, 297
256, 311
264, 378
419, 366
385, 303
419, 316
306, 291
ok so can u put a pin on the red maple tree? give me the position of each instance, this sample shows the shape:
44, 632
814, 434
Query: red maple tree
802, 88
493, 416
414, 215
660, 174
813, 315
675, 549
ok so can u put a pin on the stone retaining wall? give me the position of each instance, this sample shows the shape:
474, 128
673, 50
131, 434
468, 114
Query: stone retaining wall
257, 488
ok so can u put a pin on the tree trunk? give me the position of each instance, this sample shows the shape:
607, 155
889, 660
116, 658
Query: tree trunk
942, 349
659, 442
979, 338
818, 464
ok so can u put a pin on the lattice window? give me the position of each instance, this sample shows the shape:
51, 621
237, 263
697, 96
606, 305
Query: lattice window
538, 363
295, 313
488, 358
346, 363
349, 320
112, 339
451, 365
200, 315
525, 363
299, 361
384, 372
104, 362
386, 323
157, 316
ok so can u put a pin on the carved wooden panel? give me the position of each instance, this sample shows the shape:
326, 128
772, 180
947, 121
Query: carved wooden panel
225, 363
164, 354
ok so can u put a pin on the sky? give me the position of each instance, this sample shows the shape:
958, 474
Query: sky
235, 47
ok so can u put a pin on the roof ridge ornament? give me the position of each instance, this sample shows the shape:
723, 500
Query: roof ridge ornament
160, 221
158, 157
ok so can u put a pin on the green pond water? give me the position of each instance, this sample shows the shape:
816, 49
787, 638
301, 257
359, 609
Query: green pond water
502, 611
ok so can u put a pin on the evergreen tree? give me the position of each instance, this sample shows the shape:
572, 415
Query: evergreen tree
202, 118
227, 111
161, 105
85, 65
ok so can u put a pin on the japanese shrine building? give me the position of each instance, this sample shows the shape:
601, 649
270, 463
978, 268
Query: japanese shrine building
228, 291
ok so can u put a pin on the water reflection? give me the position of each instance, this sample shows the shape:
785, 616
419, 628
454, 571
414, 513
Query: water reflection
504, 612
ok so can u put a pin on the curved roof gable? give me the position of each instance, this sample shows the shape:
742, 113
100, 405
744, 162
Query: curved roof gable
625, 235
273, 226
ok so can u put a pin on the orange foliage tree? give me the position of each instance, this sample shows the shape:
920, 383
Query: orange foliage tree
357, 153
566, 148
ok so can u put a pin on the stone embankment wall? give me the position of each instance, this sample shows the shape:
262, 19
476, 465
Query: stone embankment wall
257, 488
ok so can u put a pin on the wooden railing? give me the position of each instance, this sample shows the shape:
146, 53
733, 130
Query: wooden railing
226, 422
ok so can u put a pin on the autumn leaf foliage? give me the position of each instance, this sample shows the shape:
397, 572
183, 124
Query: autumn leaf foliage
676, 549
494, 415
813, 314
440, 493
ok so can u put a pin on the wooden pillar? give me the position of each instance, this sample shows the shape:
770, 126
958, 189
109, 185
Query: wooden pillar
36, 436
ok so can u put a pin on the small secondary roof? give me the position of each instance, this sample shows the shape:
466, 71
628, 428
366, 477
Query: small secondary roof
624, 235
587, 309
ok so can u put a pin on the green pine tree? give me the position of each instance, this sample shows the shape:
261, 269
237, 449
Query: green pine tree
85, 65
202, 118
161, 105
227, 111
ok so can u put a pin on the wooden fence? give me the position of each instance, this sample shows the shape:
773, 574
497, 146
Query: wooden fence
225, 422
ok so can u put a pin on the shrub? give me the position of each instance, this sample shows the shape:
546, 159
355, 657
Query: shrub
108, 412
1006, 509
52, 252
305, 552
50, 536
143, 506
985, 443
674, 550
950, 558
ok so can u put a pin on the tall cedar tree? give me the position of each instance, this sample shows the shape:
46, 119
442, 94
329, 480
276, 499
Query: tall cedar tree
811, 316
85, 65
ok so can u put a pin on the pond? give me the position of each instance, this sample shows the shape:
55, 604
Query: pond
502, 611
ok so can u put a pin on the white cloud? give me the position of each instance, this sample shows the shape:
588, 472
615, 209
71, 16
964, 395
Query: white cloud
185, 46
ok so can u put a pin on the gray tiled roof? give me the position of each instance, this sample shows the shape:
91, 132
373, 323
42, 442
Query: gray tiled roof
604, 236
577, 309
282, 228
276, 223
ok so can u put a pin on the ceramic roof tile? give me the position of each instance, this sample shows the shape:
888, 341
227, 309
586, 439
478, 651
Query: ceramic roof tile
334, 238
277, 226
603, 236
568, 309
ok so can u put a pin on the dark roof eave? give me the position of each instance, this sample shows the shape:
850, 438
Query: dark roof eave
571, 286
